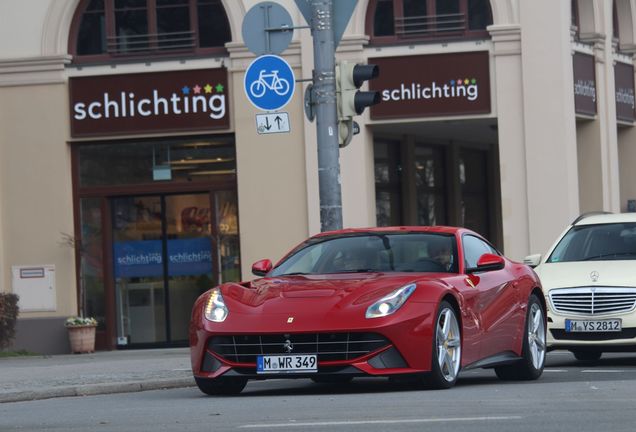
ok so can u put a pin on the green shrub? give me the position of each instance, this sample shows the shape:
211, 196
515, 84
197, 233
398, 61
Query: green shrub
8, 317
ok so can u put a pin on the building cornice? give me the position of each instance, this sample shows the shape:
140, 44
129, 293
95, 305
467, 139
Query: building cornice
32, 71
506, 39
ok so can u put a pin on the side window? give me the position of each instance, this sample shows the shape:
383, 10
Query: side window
474, 248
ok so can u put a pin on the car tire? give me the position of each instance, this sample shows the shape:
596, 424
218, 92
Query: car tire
221, 386
332, 379
530, 367
447, 349
588, 355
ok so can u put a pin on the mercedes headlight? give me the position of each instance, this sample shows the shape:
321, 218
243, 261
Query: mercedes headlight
215, 309
390, 303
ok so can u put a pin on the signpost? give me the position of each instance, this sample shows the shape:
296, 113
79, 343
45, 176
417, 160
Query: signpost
267, 28
272, 123
269, 82
269, 85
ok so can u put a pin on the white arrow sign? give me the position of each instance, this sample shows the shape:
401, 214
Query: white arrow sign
272, 123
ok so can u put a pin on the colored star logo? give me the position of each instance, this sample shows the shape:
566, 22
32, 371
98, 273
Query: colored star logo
185, 90
207, 88
466, 81
460, 81
196, 89
219, 88
473, 81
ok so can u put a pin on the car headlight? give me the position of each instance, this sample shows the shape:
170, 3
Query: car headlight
215, 309
390, 303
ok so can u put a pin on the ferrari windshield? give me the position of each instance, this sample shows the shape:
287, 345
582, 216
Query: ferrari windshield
615, 241
373, 252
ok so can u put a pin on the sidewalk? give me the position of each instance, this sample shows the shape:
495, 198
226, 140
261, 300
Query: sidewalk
43, 377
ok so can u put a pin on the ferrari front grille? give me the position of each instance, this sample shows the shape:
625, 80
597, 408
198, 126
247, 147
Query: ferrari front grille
328, 346
593, 300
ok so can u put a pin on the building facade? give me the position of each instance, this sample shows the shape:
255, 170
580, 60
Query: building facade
134, 173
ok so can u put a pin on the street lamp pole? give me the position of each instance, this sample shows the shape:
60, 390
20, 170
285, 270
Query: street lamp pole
325, 105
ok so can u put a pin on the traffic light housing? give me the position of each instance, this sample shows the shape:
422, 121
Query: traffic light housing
351, 100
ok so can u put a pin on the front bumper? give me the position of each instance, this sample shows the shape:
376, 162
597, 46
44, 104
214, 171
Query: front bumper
624, 340
407, 350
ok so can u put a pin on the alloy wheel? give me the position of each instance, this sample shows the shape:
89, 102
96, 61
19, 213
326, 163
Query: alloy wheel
448, 344
536, 336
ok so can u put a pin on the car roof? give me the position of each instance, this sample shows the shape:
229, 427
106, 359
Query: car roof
438, 229
595, 219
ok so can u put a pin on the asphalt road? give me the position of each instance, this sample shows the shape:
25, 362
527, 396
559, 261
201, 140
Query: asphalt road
570, 396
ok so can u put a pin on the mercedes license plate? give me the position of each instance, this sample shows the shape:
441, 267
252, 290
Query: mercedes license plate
593, 326
307, 363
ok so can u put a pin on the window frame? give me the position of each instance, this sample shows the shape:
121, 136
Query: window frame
152, 52
398, 7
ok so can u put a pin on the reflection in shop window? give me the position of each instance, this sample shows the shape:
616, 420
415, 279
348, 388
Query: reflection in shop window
137, 162
91, 274
388, 192
229, 247
111, 28
429, 182
428, 19
383, 22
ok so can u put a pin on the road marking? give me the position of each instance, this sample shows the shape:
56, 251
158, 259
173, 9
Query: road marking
375, 422
602, 371
555, 370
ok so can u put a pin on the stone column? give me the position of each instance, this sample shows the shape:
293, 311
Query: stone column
512, 153
549, 123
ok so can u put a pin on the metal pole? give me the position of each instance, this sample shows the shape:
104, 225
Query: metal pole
326, 115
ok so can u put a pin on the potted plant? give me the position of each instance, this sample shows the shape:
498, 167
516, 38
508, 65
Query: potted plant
81, 334
81, 329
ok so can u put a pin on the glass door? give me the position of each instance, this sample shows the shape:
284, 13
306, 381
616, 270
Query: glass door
138, 264
162, 261
188, 234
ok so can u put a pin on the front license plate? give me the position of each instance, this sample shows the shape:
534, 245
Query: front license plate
593, 326
287, 364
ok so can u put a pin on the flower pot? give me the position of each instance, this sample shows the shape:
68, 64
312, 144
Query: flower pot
82, 338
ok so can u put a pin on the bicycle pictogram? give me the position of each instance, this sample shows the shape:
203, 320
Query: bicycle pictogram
269, 81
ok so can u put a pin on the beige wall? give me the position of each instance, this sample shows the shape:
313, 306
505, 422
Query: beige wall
35, 186
590, 166
271, 177
549, 127
627, 158
512, 143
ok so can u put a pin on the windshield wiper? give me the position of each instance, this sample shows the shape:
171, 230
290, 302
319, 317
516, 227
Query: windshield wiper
361, 270
294, 274
595, 257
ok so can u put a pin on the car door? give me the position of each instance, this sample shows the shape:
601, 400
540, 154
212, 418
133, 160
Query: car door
496, 304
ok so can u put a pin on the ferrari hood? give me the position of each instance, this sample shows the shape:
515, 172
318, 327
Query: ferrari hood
320, 293
587, 273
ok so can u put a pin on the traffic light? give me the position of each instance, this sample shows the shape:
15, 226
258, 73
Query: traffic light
351, 100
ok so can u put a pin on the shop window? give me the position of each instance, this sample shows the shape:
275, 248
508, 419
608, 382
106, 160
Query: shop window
429, 173
395, 21
91, 258
145, 162
107, 30
388, 195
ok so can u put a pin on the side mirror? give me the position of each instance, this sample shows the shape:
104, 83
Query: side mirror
262, 267
532, 260
488, 262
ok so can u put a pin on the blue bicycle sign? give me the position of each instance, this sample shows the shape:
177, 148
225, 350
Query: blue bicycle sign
269, 82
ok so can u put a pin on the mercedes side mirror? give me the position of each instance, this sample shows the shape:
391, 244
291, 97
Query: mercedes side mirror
532, 260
